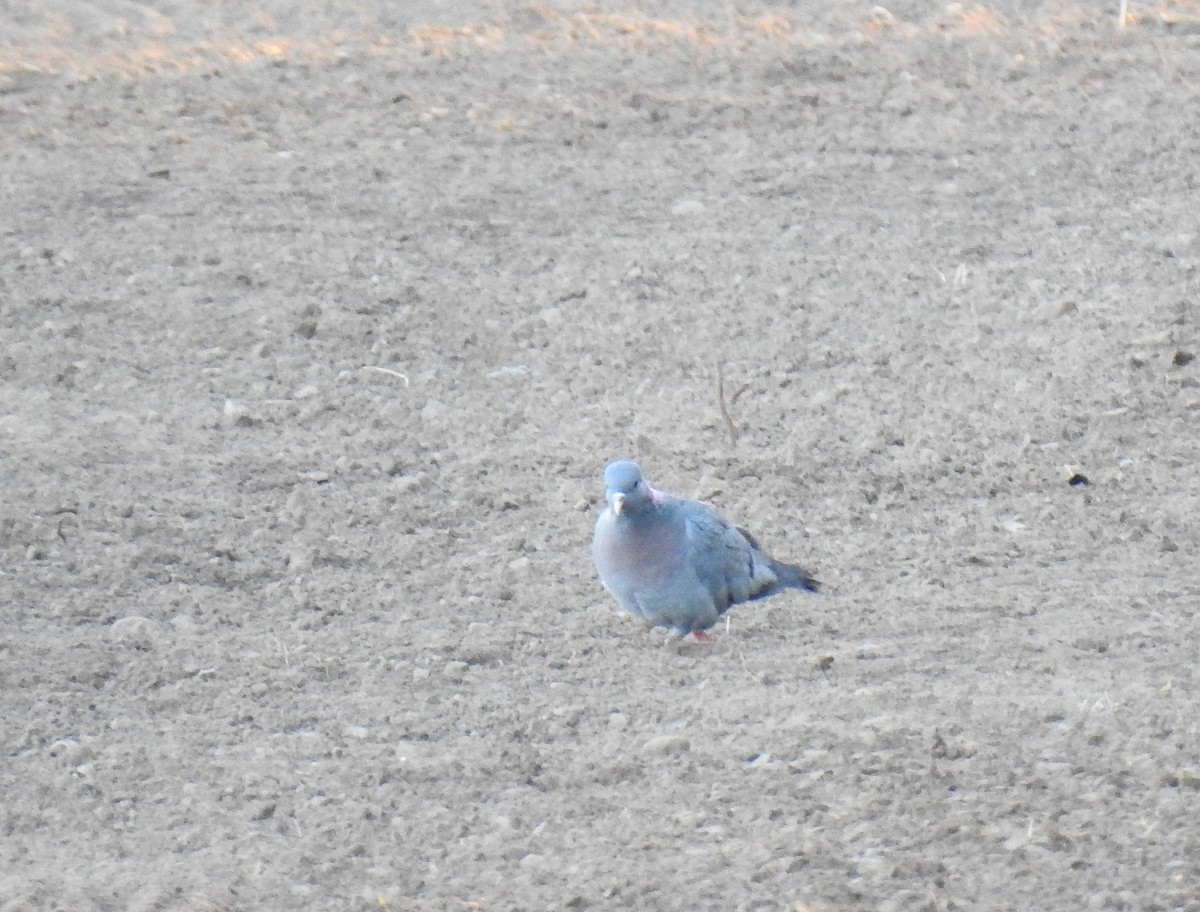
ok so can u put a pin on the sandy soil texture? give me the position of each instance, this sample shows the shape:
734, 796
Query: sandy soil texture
319, 325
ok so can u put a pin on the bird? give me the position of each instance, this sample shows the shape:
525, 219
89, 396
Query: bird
677, 563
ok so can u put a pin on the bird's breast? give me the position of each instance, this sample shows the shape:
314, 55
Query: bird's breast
642, 550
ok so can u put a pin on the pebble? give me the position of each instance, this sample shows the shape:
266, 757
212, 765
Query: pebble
134, 623
70, 752
1177, 245
455, 671
433, 412
407, 482
238, 414
667, 745
688, 207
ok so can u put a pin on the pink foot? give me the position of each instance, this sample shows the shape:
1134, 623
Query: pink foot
702, 636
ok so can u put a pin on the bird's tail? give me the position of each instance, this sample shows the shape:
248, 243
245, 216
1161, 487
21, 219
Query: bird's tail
793, 577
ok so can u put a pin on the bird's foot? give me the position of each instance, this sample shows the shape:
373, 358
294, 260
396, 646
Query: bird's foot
696, 636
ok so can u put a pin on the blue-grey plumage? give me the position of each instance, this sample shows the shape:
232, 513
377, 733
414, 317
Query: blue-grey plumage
675, 562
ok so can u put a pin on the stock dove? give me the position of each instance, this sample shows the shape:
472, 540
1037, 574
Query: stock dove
677, 563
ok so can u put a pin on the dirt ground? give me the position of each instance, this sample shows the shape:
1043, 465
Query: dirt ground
319, 327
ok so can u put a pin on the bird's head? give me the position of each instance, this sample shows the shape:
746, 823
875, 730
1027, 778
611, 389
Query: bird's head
627, 491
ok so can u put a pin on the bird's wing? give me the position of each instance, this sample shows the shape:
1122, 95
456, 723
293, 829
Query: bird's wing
727, 559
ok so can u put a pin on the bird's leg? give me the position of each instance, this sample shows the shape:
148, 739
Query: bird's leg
699, 636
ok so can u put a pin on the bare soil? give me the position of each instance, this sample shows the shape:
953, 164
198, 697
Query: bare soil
319, 326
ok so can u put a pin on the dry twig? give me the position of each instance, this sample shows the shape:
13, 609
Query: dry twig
388, 371
730, 427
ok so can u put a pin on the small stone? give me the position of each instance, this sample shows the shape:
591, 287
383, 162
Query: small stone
237, 414
300, 558
132, 624
455, 671
688, 207
433, 412
412, 752
666, 745
407, 482
70, 752
1177, 245
1018, 840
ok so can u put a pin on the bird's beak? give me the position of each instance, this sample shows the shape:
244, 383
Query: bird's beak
618, 503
